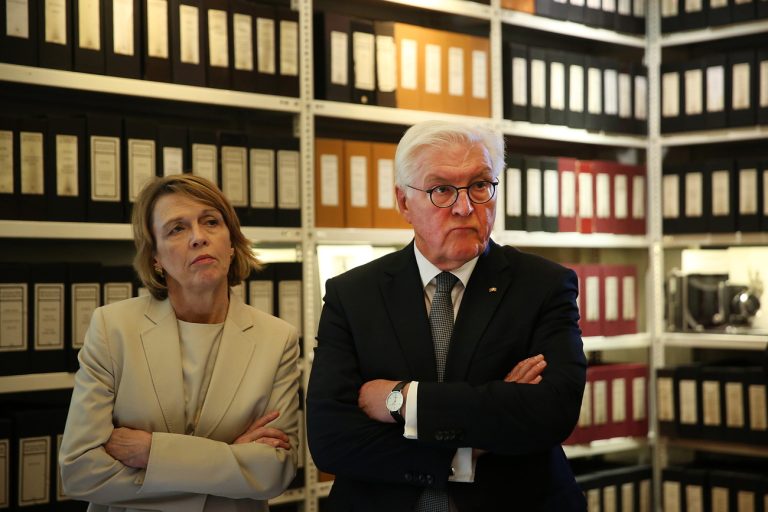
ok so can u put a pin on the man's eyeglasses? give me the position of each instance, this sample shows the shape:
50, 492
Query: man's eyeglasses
444, 196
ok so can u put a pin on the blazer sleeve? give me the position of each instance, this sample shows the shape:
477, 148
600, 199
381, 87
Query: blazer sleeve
88, 471
342, 439
246, 470
510, 418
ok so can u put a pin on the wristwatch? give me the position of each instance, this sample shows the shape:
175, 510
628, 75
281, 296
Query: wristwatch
395, 402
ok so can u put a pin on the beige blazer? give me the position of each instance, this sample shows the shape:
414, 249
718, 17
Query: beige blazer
130, 376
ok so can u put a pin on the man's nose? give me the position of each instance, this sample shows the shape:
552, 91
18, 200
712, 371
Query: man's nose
463, 205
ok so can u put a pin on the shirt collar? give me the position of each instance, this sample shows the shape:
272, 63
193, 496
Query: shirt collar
428, 271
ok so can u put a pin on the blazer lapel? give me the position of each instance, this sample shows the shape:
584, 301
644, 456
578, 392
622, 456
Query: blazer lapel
404, 299
235, 352
160, 339
485, 290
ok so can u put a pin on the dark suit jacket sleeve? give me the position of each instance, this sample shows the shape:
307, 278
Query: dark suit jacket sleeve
342, 439
511, 418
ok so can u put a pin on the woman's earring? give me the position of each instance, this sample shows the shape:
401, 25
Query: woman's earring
159, 271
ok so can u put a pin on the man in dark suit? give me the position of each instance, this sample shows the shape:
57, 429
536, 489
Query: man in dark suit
413, 412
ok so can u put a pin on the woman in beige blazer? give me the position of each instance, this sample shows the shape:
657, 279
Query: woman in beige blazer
186, 399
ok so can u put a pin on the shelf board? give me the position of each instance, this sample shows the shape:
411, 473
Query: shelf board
724, 135
105, 231
146, 88
750, 450
715, 340
714, 239
36, 382
603, 446
565, 134
289, 496
460, 7
590, 240
323, 489
569, 28
372, 236
625, 341
714, 33
374, 113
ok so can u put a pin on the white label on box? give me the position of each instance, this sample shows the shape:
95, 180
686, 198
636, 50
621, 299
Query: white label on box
585, 413
576, 88
329, 180
740, 98
265, 49
288, 186
6, 162
765, 192
641, 98
358, 181
763, 84
715, 89
261, 294
693, 6
362, 52
456, 71
204, 157
758, 417
639, 400
13, 317
745, 501
668, 8
122, 27
189, 37
694, 86
432, 69
115, 292
734, 405
625, 96
386, 63
719, 499
593, 298
17, 18
671, 496
710, 402
612, 298
609, 6
618, 400
31, 157
638, 197
721, 191
671, 99
628, 497
538, 83
157, 28
385, 169
242, 32
557, 86
218, 38
568, 194
173, 161
533, 191
67, 183
409, 64
620, 197
586, 202
234, 174
479, 74
49, 316
694, 194
671, 203
5, 473
289, 48
611, 92
688, 411
600, 402
603, 195
609, 498
629, 310
85, 300
645, 496
748, 191
141, 165
551, 193
694, 496
34, 470
262, 178
105, 168
289, 300
56, 22
593, 500
519, 82
513, 193
89, 25
625, 7
594, 90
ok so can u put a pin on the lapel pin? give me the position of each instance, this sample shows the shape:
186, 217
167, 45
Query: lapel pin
492, 289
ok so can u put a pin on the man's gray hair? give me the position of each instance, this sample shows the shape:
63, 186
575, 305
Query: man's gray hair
438, 134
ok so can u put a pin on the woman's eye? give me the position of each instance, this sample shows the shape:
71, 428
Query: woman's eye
174, 230
212, 222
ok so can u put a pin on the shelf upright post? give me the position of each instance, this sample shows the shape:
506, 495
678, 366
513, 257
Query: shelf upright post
655, 296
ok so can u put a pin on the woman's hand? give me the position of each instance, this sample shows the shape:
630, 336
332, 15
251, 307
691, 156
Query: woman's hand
129, 446
258, 432
527, 371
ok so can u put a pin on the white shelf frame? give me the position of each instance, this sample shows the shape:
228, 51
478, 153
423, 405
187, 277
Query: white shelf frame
389, 115
458, 7
723, 136
716, 447
570, 29
714, 239
36, 382
146, 89
605, 446
580, 240
715, 341
640, 340
714, 33
566, 134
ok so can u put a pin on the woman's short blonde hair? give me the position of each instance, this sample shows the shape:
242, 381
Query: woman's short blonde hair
199, 189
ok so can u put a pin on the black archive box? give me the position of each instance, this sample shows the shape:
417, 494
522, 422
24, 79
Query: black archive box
514, 197
103, 148
718, 91
665, 400
762, 85
31, 459
88, 43
743, 99
122, 38
538, 85
593, 14
576, 11
47, 300
261, 182
18, 33
720, 12
118, 283
692, 94
593, 117
557, 88
534, 194
261, 289
234, 170
550, 193
610, 94
242, 44
65, 161
288, 51
333, 73
288, 183
687, 401
673, 190
749, 192
695, 198
5, 455
722, 209
640, 98
204, 154
14, 296
577, 90
32, 135
188, 47
671, 98
363, 90
139, 160
172, 157
516, 92
693, 15
218, 60
288, 291
83, 297
156, 39
626, 98
743, 10
55, 33
9, 167
265, 53
386, 63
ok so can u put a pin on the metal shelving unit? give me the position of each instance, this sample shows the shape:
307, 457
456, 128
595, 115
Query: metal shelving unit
715, 341
605, 446
640, 340
565, 134
714, 33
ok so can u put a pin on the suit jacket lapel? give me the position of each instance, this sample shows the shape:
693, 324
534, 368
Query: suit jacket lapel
487, 286
235, 352
160, 339
404, 301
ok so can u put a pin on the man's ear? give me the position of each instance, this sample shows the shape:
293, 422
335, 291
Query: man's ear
402, 203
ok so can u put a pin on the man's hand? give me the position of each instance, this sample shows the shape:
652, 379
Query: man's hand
129, 446
527, 371
258, 432
373, 399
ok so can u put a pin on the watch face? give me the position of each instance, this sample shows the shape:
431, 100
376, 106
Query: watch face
394, 401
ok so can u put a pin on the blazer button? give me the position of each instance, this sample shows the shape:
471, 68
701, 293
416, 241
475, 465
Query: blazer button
430, 479
439, 436
421, 478
408, 476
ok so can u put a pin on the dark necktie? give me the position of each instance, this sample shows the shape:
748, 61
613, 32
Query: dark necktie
441, 324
